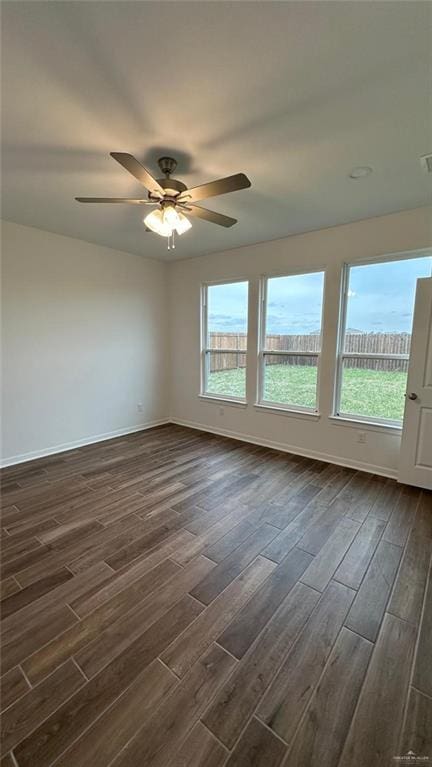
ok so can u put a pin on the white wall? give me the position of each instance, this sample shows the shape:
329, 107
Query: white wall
83, 327
329, 248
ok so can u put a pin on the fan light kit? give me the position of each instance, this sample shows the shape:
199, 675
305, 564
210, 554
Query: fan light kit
166, 221
172, 198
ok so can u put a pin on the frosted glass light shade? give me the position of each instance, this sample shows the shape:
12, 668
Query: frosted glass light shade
183, 224
157, 223
171, 217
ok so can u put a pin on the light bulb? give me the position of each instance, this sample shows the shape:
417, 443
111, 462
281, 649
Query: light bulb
157, 223
183, 224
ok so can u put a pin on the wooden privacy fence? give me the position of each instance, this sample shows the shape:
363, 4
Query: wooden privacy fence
364, 343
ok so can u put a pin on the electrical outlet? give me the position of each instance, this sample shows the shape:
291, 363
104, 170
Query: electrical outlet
139, 407
361, 437
221, 411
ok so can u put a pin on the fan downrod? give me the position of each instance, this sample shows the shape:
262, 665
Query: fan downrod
167, 165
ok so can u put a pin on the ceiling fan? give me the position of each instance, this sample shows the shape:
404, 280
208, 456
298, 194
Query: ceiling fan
172, 198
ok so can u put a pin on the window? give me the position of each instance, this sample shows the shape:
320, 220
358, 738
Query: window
224, 344
291, 340
375, 338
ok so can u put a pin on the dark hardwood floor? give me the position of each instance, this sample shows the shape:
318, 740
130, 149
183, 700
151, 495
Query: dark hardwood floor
173, 598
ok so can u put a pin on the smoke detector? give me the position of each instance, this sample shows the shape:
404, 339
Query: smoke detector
361, 172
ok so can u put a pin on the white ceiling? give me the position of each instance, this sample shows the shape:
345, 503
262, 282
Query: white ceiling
294, 94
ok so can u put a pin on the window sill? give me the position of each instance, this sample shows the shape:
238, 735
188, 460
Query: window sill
344, 420
280, 410
223, 400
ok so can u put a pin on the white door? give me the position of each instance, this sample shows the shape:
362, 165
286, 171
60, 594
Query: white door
415, 466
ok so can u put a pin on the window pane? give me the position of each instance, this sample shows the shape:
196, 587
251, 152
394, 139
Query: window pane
227, 315
380, 305
374, 388
226, 374
379, 314
293, 312
290, 380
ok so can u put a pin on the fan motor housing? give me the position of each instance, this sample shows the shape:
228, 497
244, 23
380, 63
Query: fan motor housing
171, 187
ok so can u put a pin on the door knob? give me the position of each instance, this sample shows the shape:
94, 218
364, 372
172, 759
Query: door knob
412, 395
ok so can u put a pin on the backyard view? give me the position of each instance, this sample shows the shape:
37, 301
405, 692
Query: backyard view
378, 312
371, 386
372, 393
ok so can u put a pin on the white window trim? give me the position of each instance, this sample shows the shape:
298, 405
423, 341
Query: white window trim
206, 351
338, 414
224, 400
290, 410
387, 257
283, 407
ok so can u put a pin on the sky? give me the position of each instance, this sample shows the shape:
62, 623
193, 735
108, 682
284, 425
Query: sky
380, 299
381, 296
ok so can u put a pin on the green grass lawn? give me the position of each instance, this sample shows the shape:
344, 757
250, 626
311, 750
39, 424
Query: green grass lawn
364, 392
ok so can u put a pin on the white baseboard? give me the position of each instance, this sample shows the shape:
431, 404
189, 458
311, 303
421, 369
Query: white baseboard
35, 454
382, 471
282, 446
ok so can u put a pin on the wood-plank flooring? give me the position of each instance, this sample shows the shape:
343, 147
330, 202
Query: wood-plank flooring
177, 599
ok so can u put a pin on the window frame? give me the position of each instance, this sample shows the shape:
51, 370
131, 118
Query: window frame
206, 350
263, 353
341, 355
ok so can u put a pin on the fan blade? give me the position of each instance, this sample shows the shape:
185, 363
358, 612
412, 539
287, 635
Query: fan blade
209, 215
222, 186
141, 174
127, 200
